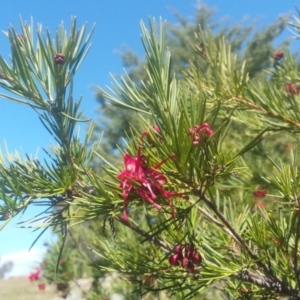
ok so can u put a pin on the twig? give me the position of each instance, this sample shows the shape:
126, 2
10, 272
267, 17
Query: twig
295, 260
266, 112
138, 230
240, 240
268, 283
215, 221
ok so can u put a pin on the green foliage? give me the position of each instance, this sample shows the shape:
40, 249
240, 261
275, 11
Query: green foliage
192, 226
246, 42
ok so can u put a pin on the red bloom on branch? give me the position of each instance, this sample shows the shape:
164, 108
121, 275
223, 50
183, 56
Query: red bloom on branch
156, 129
200, 132
278, 55
140, 180
187, 256
292, 89
42, 286
259, 193
33, 276
59, 58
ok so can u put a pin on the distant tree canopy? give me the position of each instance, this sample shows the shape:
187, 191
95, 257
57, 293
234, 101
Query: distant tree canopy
255, 45
5, 268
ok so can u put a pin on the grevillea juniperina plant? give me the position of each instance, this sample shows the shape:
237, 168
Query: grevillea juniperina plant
181, 198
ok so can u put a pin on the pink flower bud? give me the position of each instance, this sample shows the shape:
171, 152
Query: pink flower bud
184, 262
205, 125
178, 249
197, 258
174, 260
189, 254
292, 89
190, 267
259, 193
156, 128
278, 55
59, 58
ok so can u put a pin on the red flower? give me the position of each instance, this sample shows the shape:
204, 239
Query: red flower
140, 180
278, 55
292, 89
59, 58
33, 276
156, 130
200, 132
62, 262
259, 193
187, 256
42, 286
260, 204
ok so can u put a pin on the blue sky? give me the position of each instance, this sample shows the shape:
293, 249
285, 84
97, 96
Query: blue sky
117, 24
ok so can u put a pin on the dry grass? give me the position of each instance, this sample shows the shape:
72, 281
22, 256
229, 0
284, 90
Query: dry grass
20, 288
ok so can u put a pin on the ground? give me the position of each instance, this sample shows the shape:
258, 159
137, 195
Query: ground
20, 288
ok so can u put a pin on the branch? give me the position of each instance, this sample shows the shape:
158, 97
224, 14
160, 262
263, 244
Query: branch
297, 237
143, 233
237, 237
215, 221
268, 283
266, 112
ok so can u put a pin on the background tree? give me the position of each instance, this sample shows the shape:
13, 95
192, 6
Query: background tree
6, 268
248, 42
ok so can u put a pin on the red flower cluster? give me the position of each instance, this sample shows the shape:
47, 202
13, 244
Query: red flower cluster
140, 180
199, 132
278, 55
33, 276
59, 58
259, 193
42, 286
292, 89
187, 256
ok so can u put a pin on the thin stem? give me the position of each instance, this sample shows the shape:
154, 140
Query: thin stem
143, 233
266, 112
215, 221
268, 283
295, 260
240, 240
63, 137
